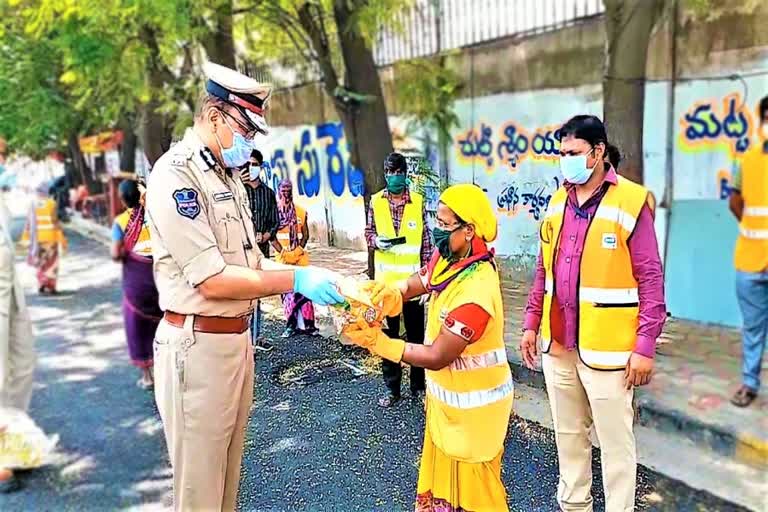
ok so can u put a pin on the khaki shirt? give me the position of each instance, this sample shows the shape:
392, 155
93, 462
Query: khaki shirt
199, 222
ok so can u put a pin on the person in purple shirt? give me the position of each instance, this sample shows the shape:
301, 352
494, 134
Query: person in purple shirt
603, 221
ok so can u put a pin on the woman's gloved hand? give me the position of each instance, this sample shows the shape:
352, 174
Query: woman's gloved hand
318, 285
373, 339
388, 297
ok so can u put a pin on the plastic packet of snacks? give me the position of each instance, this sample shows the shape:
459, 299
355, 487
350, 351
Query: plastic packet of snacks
23, 445
357, 305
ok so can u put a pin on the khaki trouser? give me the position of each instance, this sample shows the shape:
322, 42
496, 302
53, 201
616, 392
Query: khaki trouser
17, 344
580, 398
204, 391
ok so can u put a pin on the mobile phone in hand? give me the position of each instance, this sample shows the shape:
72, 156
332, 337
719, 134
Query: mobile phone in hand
400, 240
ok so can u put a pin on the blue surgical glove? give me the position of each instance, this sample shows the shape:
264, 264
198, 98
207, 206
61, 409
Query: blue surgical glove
318, 285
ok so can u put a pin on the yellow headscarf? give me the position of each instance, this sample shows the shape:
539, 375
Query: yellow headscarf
471, 204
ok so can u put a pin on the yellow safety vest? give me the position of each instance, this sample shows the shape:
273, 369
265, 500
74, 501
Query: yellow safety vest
608, 299
284, 235
401, 261
469, 401
46, 230
143, 245
751, 253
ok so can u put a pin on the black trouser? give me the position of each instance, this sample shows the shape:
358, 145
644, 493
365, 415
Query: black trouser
264, 246
413, 317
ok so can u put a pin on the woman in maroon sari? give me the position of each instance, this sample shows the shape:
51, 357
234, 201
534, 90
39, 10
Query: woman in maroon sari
291, 245
141, 311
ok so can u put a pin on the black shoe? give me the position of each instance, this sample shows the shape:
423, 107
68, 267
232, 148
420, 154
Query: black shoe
389, 401
262, 345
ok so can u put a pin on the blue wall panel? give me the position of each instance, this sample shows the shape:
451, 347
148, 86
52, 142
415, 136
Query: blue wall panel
699, 268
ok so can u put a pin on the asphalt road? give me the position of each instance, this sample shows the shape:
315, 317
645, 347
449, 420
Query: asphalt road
316, 440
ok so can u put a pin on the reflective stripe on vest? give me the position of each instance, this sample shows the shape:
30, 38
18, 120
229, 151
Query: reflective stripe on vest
756, 211
754, 234
609, 295
470, 399
618, 215
605, 359
486, 360
387, 268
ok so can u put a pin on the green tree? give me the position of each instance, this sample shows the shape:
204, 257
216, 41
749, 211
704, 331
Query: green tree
135, 61
333, 39
426, 92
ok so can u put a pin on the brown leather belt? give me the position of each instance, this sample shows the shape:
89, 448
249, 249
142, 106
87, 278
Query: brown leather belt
211, 324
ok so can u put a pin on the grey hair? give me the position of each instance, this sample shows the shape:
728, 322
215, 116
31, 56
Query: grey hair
206, 102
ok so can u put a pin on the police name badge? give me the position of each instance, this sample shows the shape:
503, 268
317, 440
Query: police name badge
609, 241
222, 196
186, 203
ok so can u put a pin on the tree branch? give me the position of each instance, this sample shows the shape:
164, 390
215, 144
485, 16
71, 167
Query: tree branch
319, 38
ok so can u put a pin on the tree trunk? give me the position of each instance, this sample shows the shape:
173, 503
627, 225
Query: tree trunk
74, 178
628, 26
156, 129
128, 147
80, 165
220, 44
155, 135
366, 124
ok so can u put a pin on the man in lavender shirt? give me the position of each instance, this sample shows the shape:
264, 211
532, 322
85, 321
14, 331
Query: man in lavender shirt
603, 277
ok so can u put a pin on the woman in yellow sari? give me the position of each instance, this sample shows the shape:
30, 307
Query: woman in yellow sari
469, 383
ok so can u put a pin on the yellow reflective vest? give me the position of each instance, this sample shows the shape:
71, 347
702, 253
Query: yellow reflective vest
469, 401
608, 299
47, 228
401, 261
751, 253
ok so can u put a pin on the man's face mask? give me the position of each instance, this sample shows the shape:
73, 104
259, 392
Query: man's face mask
395, 183
240, 152
574, 168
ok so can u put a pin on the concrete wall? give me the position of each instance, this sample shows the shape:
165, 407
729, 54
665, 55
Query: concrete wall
517, 93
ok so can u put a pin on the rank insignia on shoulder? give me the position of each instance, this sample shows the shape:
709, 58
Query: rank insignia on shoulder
207, 156
186, 202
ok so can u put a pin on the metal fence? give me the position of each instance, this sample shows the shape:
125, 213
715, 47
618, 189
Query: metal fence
432, 26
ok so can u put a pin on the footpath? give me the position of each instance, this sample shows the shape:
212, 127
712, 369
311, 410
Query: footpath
683, 414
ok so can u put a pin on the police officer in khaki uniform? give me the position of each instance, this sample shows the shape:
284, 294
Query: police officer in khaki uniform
209, 272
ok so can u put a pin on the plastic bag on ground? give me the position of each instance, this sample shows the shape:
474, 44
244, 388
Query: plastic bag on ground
23, 445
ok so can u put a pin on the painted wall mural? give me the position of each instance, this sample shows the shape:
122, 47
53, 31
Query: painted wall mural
717, 124
508, 144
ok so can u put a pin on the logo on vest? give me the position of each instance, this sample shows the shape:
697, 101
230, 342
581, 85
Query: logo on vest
609, 241
411, 224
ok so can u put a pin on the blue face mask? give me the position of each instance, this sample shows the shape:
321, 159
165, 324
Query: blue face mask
575, 170
240, 152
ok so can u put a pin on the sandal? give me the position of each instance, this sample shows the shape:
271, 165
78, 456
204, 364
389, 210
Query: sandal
144, 384
388, 401
9, 485
744, 396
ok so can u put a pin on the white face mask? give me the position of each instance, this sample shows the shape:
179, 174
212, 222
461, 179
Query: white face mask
574, 168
